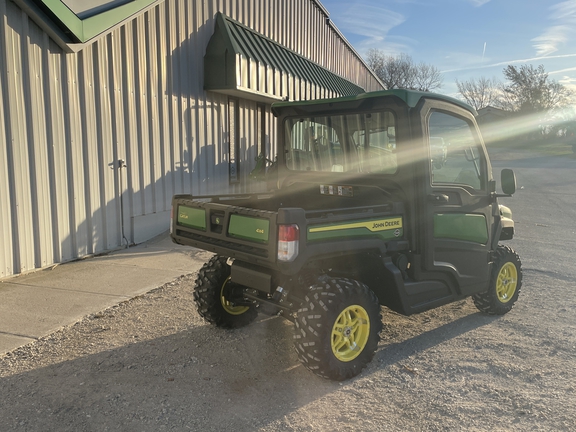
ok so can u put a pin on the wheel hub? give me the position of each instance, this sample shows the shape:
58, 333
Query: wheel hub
507, 282
228, 305
350, 333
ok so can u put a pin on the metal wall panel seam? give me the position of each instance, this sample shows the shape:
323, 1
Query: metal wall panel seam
209, 151
146, 160
187, 103
139, 147
203, 28
285, 14
266, 13
247, 141
165, 143
175, 125
97, 145
218, 106
188, 100
106, 146
323, 39
17, 146
291, 16
89, 155
192, 104
240, 156
247, 13
272, 18
74, 156
118, 177
155, 184
6, 246
260, 10
54, 232
132, 205
28, 86
131, 66
37, 144
59, 145
308, 27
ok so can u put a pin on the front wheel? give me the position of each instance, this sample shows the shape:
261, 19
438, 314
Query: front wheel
337, 328
505, 283
218, 300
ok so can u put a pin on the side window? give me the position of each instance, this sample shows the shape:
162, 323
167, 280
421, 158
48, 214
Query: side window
454, 154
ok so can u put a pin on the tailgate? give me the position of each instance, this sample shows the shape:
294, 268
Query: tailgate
237, 232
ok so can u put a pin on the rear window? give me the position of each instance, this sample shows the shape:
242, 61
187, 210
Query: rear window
342, 143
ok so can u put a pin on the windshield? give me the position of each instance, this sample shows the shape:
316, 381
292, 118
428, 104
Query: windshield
342, 143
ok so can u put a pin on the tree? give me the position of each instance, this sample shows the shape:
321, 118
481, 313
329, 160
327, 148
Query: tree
427, 77
481, 92
401, 72
529, 90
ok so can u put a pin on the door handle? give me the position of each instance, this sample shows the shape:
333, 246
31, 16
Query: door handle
439, 198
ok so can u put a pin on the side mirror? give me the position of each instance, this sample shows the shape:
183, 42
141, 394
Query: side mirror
508, 180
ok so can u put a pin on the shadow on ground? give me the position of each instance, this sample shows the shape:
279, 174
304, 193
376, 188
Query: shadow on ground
201, 378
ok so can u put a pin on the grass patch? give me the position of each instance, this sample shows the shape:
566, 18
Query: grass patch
548, 148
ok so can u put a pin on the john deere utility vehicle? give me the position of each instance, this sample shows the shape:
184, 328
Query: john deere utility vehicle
381, 199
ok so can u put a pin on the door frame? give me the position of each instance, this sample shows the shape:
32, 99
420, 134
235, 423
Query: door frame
463, 262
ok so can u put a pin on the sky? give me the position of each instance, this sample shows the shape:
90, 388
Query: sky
465, 39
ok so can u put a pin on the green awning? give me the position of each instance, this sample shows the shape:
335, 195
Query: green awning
244, 63
82, 27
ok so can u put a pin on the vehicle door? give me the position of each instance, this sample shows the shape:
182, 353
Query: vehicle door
458, 199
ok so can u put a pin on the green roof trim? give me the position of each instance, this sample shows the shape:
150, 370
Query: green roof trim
85, 29
410, 97
232, 40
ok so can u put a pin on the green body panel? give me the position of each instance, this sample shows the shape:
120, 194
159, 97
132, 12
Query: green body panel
249, 228
461, 226
191, 217
384, 228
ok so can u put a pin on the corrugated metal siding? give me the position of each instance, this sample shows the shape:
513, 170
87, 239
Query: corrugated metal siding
134, 94
6, 242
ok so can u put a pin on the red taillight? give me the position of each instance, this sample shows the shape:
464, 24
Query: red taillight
288, 233
288, 236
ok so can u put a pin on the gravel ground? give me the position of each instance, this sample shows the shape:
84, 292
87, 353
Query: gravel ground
152, 364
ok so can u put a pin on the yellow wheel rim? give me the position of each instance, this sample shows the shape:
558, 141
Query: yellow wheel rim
229, 307
507, 282
350, 333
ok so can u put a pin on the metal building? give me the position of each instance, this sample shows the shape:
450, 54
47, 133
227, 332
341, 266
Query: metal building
109, 108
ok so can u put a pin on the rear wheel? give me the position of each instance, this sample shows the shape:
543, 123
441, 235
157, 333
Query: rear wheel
505, 284
217, 298
337, 328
